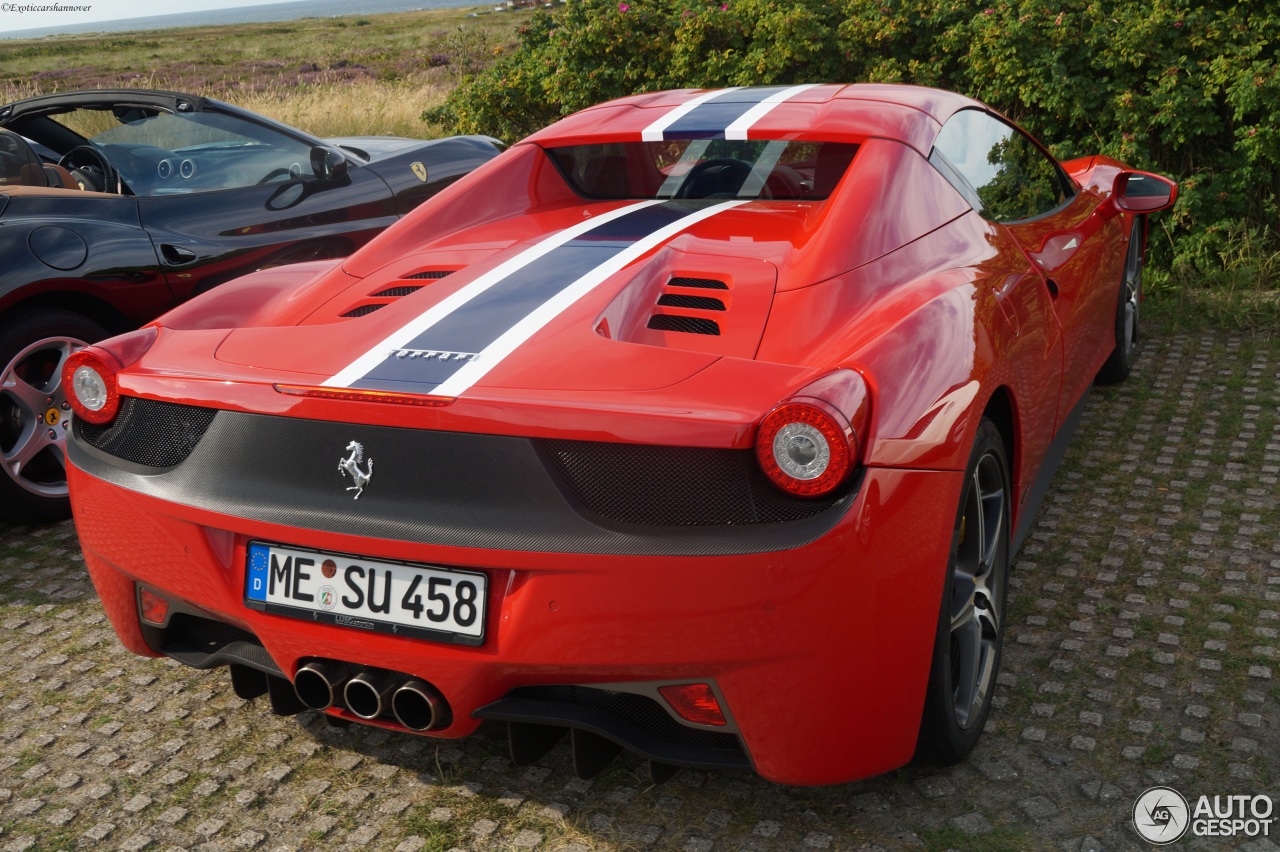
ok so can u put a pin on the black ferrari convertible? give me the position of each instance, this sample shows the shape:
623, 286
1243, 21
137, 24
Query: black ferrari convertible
117, 205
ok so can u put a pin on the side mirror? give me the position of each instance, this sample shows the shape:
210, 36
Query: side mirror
1143, 192
328, 163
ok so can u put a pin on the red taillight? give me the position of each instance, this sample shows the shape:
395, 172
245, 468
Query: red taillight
694, 702
89, 376
809, 444
154, 608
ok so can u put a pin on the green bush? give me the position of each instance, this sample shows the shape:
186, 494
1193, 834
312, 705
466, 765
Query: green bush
1174, 86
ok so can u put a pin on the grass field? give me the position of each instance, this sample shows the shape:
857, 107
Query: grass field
330, 76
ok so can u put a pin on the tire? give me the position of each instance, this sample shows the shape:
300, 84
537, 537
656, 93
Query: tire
1128, 313
34, 415
970, 636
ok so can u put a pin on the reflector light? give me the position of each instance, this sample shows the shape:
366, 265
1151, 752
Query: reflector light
153, 607
357, 395
694, 702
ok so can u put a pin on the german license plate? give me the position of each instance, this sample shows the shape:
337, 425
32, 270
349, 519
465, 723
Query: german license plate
367, 594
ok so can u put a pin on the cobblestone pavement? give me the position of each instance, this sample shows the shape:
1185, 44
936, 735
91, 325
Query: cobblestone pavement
1142, 649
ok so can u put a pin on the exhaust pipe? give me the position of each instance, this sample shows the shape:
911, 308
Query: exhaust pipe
318, 683
419, 706
368, 692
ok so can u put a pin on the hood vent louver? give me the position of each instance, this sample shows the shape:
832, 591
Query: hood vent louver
679, 300
700, 283
364, 309
397, 292
687, 318
688, 325
390, 294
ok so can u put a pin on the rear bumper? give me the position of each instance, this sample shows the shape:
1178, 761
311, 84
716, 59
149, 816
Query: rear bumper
820, 652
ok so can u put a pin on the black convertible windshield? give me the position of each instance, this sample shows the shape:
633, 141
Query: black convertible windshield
162, 153
705, 168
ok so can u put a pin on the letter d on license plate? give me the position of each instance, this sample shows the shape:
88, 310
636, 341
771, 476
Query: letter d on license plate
367, 594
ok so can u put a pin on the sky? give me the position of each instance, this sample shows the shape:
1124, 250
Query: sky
14, 14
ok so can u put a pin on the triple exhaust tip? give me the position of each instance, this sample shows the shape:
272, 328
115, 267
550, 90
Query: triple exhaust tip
416, 704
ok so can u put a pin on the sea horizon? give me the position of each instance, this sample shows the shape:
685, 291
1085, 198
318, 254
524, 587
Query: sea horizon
288, 11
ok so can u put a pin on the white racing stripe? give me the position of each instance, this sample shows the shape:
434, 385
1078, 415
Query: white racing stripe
738, 130
491, 355
653, 133
403, 335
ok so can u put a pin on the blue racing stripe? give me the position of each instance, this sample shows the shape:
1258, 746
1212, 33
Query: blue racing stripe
435, 355
709, 120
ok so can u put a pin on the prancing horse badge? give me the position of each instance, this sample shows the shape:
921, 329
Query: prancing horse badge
351, 466
419, 170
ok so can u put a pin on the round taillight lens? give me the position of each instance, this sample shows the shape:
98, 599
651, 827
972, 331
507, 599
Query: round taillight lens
90, 380
805, 448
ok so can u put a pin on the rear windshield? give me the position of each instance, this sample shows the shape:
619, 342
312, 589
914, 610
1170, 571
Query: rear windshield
706, 168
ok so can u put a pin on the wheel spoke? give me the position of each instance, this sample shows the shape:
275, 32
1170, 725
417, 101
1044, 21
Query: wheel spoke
967, 648
60, 456
28, 446
987, 614
66, 349
29, 398
964, 616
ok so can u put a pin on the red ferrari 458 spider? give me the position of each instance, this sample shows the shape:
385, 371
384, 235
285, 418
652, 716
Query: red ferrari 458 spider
703, 424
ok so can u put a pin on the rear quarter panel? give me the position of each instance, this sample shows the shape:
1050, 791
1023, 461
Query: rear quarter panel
118, 269
937, 328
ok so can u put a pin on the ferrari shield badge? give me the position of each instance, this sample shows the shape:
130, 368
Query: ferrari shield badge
351, 467
420, 171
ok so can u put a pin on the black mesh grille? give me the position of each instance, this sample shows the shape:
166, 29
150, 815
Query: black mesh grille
675, 486
396, 292
431, 273
362, 310
680, 300
703, 283
149, 432
689, 325
638, 710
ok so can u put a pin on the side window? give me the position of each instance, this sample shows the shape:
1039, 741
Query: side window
1001, 172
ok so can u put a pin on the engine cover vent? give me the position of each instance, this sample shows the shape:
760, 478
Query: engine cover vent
389, 294
397, 292
688, 325
690, 306
362, 310
701, 283
680, 300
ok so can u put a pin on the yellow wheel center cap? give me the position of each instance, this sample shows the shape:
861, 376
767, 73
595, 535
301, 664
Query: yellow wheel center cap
52, 416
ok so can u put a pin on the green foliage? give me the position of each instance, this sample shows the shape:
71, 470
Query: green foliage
1181, 87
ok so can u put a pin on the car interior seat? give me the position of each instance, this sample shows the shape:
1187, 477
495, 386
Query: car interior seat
20, 165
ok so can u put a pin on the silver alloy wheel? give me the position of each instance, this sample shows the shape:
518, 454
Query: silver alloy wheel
35, 417
1132, 296
978, 593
